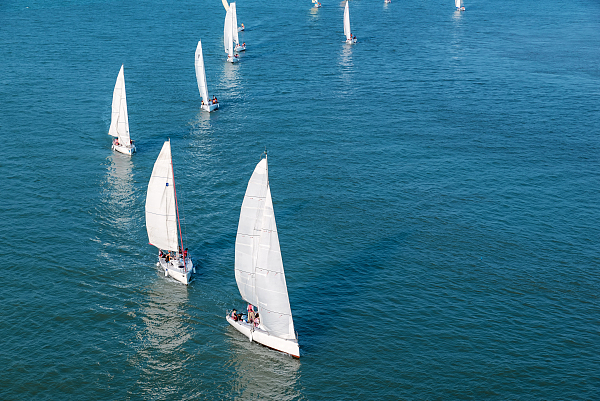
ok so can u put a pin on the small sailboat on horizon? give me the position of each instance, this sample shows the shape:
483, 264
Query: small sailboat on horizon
259, 270
208, 104
460, 5
349, 38
228, 36
119, 120
162, 219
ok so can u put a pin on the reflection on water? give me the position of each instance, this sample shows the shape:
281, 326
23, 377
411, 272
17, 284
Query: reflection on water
230, 78
260, 372
346, 56
162, 340
119, 188
457, 16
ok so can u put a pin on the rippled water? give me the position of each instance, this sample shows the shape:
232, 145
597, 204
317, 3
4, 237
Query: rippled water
436, 189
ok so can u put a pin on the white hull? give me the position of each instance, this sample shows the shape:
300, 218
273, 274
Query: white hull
240, 29
351, 41
317, 5
210, 107
177, 270
126, 150
262, 337
233, 59
240, 48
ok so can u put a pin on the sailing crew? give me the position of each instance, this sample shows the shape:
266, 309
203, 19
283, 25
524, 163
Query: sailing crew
214, 100
234, 315
251, 315
185, 252
257, 320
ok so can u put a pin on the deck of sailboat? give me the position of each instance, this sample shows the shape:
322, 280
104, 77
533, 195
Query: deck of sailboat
127, 150
178, 272
263, 337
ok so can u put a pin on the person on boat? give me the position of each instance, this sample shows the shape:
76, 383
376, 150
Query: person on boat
251, 316
243, 27
257, 320
215, 101
185, 252
354, 37
244, 44
168, 257
234, 315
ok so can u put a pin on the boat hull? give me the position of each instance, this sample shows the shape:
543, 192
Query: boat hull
126, 150
177, 270
233, 59
240, 48
210, 107
350, 41
262, 337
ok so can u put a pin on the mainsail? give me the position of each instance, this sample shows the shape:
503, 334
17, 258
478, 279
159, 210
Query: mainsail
227, 34
234, 25
457, 3
161, 212
258, 265
119, 122
201, 74
347, 31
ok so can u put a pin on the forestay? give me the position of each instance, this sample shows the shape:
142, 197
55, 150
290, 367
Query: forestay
201, 74
347, 31
258, 264
119, 122
161, 214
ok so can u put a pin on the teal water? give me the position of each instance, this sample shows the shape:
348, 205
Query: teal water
436, 190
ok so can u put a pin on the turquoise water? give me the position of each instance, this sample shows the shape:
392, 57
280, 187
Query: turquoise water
436, 190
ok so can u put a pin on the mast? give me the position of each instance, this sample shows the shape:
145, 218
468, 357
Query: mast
176, 206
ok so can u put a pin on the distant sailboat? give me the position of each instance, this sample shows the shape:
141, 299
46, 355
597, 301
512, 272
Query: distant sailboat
207, 103
259, 269
236, 40
460, 6
228, 36
347, 31
317, 4
162, 219
119, 121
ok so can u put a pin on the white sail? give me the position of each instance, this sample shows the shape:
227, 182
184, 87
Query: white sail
227, 34
225, 4
457, 3
347, 30
119, 121
234, 25
201, 74
161, 213
258, 264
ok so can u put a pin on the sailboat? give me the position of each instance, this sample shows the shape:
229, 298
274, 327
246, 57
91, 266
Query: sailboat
234, 30
460, 6
119, 122
347, 31
162, 219
207, 103
228, 36
259, 269
317, 4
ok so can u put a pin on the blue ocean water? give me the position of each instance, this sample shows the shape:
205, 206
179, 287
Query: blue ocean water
435, 186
